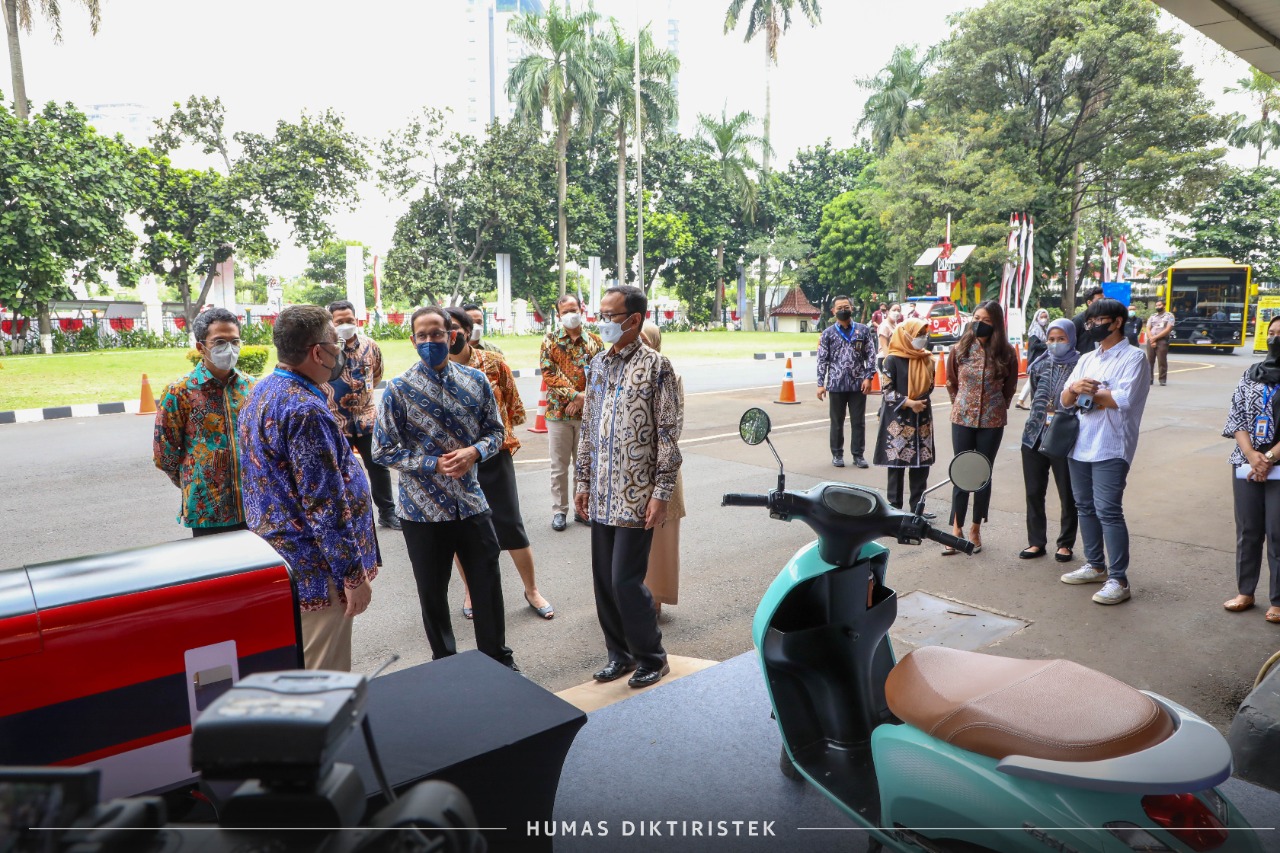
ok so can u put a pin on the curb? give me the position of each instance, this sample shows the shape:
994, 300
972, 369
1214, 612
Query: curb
776, 356
88, 410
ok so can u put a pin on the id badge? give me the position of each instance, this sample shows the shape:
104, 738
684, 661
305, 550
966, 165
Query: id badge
1261, 428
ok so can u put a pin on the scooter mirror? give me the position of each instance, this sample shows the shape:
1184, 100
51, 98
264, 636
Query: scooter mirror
754, 426
970, 471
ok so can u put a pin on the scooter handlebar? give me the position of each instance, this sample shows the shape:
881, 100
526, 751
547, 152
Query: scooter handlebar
739, 499
964, 546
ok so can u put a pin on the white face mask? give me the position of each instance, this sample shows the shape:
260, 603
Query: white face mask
224, 355
571, 320
611, 333
921, 342
895, 316
346, 331
475, 333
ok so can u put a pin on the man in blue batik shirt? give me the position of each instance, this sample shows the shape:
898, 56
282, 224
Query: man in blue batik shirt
436, 421
846, 364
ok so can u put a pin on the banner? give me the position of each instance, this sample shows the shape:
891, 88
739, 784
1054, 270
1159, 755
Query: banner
1268, 310
355, 281
1121, 291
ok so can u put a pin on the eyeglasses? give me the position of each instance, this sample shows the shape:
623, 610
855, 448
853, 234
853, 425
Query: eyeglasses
1099, 323
616, 317
439, 336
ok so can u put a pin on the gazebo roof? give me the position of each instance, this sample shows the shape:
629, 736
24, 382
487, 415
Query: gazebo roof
795, 304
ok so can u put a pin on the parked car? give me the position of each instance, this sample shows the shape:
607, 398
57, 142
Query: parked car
946, 320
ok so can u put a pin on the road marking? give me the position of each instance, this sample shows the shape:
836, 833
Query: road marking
1203, 366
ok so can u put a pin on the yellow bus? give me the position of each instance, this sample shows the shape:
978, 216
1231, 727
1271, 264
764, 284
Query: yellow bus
1211, 298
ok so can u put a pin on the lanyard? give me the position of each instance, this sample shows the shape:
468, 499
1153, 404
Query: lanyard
848, 337
306, 383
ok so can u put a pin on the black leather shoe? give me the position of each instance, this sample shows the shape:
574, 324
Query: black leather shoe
614, 671
837, 461
859, 461
646, 677
558, 522
389, 519
582, 519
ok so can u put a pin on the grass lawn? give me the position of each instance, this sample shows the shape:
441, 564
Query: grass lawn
33, 381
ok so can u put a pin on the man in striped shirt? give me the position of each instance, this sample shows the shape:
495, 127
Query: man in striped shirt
436, 421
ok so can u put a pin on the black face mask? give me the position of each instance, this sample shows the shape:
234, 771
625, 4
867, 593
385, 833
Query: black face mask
983, 330
1100, 333
844, 314
1273, 346
459, 342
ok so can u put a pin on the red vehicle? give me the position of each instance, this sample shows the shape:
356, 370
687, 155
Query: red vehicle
946, 320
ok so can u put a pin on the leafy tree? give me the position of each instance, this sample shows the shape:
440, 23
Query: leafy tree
558, 76
478, 198
850, 251
1239, 220
1096, 104
328, 264
1264, 133
65, 195
615, 59
195, 220
19, 15
895, 107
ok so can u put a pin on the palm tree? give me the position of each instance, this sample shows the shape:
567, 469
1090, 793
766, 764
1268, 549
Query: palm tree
19, 14
773, 18
615, 58
731, 142
557, 75
1265, 132
896, 104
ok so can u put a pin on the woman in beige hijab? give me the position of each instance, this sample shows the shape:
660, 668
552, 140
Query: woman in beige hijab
663, 578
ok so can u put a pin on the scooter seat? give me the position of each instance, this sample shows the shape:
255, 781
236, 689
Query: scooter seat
998, 706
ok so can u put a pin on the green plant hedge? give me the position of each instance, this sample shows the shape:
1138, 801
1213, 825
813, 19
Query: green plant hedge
252, 359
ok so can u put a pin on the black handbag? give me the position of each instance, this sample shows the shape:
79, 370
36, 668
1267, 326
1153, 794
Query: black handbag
1060, 436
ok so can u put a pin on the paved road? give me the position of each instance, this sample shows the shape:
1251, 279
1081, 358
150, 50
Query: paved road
82, 486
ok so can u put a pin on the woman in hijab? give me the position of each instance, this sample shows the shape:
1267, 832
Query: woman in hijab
1037, 343
1045, 378
905, 439
1256, 487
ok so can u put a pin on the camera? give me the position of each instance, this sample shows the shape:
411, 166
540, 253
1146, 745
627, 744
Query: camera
277, 735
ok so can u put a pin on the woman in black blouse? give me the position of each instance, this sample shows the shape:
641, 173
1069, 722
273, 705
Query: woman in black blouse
1256, 483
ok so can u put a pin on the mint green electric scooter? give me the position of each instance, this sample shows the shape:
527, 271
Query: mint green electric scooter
948, 750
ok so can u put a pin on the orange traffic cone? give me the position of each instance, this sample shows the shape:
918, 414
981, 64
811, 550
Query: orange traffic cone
1022, 360
788, 394
540, 424
1142, 337
940, 377
875, 382
147, 404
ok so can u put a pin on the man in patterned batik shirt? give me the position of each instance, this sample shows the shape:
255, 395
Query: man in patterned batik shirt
436, 421
564, 359
304, 492
846, 363
195, 435
626, 470
350, 398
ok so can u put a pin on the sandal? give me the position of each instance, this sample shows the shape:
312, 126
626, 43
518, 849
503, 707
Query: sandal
545, 612
976, 538
1273, 615
467, 613
1028, 554
948, 551
1239, 604
1063, 558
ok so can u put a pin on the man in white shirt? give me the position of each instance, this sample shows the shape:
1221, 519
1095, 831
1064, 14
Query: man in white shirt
1108, 389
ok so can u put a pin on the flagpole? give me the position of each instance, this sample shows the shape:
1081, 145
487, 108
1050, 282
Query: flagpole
639, 168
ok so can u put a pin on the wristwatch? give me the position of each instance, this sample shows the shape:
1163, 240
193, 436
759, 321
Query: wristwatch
1270, 455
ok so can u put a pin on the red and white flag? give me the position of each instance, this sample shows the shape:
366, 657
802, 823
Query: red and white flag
1123, 260
1106, 258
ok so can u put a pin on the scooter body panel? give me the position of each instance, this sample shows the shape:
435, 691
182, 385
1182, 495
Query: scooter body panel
804, 565
942, 791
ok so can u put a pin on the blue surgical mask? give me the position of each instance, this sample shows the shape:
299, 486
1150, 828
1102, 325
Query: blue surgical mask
433, 352
1059, 349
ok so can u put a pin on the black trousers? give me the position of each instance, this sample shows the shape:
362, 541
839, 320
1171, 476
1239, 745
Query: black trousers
1035, 474
619, 561
431, 549
1257, 519
210, 531
379, 476
919, 482
855, 403
985, 440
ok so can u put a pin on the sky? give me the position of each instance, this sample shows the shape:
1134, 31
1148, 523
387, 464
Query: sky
382, 62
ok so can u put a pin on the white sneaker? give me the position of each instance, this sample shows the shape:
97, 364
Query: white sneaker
1111, 593
1085, 574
